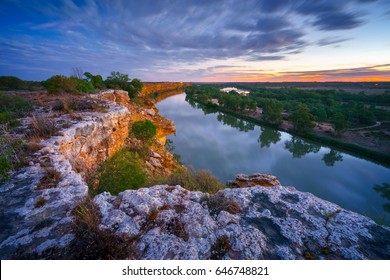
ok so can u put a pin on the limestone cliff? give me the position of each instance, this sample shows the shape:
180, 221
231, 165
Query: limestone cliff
36, 216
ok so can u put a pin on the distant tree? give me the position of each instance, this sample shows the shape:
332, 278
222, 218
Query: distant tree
117, 80
84, 86
77, 73
96, 80
134, 87
302, 119
10, 83
339, 122
59, 84
319, 112
273, 110
137, 84
366, 116
252, 105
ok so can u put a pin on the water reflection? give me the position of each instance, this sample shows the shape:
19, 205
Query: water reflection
241, 125
332, 157
268, 136
298, 147
384, 190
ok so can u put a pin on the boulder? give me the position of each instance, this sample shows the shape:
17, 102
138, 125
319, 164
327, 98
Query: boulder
257, 179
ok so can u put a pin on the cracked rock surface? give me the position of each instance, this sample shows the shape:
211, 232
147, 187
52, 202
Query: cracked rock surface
247, 223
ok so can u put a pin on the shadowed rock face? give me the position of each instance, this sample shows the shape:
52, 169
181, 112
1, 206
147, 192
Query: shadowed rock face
267, 223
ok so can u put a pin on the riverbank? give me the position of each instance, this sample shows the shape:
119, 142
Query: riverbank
358, 151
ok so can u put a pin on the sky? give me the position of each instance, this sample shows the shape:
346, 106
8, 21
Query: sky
198, 40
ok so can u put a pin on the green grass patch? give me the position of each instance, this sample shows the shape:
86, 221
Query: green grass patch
121, 172
13, 107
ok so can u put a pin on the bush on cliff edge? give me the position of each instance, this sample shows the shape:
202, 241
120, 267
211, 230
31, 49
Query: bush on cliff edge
121, 172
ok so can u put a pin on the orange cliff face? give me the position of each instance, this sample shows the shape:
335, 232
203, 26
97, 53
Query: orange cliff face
151, 88
164, 126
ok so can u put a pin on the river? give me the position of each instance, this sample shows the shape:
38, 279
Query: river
226, 146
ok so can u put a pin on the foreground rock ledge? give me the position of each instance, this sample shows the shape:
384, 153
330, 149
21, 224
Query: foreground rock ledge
247, 223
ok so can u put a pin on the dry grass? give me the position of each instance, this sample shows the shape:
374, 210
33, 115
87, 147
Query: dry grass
176, 227
94, 243
220, 248
42, 127
217, 203
194, 180
50, 180
41, 202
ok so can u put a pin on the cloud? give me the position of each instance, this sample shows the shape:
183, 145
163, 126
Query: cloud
331, 41
149, 36
375, 72
337, 21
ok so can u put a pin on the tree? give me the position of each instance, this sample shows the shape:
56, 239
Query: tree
95, 80
339, 122
10, 82
134, 87
117, 80
77, 73
320, 113
273, 110
302, 119
84, 86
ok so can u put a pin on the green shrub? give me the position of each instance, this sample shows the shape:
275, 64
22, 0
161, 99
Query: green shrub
195, 180
42, 127
84, 86
14, 83
8, 118
60, 84
5, 166
121, 172
144, 130
15, 104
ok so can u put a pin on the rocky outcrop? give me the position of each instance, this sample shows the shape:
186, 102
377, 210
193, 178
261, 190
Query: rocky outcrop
89, 143
247, 223
257, 179
119, 97
36, 203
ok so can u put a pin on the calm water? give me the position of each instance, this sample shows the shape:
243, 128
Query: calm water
227, 146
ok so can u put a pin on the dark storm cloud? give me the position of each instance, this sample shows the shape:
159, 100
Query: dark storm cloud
331, 14
337, 21
150, 35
